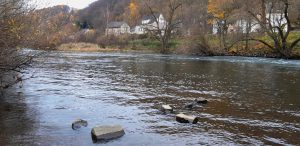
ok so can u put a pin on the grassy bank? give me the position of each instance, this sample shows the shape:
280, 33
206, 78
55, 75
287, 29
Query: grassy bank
90, 47
190, 45
84, 47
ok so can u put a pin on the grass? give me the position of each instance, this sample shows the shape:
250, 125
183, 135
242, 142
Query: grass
83, 47
146, 43
152, 44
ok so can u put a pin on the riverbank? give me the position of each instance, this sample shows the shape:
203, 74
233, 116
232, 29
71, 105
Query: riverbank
84, 47
188, 45
179, 48
90, 47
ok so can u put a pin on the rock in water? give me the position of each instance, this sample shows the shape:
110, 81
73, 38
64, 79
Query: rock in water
77, 124
182, 118
166, 108
201, 101
189, 106
103, 133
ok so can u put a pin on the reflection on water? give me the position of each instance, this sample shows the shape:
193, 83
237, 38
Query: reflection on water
251, 100
17, 121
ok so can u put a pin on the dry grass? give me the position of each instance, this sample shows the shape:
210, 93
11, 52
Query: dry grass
84, 47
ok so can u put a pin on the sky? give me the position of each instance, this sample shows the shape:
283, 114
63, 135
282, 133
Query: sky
79, 4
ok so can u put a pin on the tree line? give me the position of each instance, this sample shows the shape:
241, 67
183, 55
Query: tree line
194, 20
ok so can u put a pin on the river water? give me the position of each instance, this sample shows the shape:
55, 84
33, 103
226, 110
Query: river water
252, 101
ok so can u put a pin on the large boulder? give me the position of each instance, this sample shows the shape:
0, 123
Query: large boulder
77, 124
182, 118
104, 133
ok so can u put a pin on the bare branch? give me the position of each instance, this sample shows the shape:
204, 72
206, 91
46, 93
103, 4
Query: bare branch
293, 45
263, 42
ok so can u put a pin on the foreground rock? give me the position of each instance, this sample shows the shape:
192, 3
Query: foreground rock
104, 133
166, 108
201, 101
182, 118
77, 124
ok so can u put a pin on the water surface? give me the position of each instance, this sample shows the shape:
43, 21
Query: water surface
253, 101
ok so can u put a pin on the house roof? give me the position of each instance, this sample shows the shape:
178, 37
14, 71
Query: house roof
115, 24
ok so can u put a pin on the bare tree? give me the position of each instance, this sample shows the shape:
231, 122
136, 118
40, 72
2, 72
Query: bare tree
277, 26
163, 32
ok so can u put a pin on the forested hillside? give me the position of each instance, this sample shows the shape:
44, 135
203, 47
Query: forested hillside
101, 11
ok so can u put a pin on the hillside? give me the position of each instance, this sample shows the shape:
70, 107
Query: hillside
101, 11
209, 27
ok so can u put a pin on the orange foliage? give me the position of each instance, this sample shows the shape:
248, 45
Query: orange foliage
219, 9
133, 9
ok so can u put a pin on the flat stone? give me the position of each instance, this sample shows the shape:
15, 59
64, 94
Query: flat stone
103, 133
182, 118
77, 124
166, 108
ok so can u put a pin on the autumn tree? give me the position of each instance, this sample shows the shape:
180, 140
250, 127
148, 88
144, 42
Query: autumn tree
53, 26
132, 14
13, 28
220, 11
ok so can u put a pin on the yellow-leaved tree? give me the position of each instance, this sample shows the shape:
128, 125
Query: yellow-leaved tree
133, 16
220, 11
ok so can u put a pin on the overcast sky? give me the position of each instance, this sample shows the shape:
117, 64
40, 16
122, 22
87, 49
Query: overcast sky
79, 4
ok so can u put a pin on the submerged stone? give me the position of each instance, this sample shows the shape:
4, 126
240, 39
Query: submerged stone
190, 105
77, 124
195, 103
103, 133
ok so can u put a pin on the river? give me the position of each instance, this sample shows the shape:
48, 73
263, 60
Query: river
252, 101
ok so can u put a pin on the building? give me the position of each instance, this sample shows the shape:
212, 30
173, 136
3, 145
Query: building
139, 29
274, 17
150, 23
117, 28
277, 20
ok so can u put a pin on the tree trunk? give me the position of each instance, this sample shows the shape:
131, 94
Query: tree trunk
263, 12
164, 46
248, 30
220, 38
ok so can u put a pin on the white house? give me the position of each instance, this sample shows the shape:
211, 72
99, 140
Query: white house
149, 23
117, 28
139, 29
275, 18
